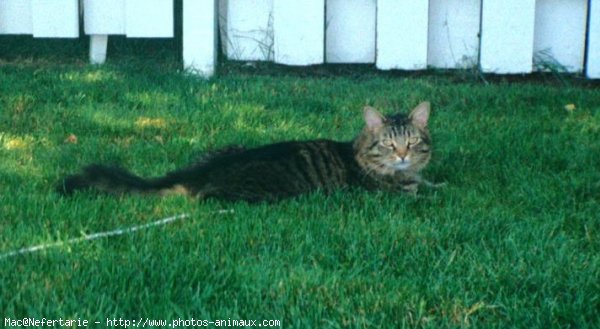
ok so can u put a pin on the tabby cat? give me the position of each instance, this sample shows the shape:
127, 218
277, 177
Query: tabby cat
388, 155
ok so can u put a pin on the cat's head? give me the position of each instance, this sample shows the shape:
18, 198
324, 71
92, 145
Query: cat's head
397, 143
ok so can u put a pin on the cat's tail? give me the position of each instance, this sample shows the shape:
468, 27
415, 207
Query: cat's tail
114, 180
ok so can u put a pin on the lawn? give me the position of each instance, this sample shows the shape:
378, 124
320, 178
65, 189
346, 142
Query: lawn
512, 240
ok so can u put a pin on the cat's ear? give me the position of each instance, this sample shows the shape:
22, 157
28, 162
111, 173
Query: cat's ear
373, 119
420, 114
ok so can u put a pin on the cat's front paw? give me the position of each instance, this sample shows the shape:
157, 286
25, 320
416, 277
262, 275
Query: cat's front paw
411, 189
434, 185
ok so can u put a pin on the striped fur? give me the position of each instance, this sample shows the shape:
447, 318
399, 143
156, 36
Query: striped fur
388, 154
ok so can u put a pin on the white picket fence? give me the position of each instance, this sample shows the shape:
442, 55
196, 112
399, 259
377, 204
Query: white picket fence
498, 36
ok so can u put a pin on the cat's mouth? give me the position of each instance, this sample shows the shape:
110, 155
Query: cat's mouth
401, 165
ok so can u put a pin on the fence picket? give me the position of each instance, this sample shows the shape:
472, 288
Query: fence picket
402, 34
299, 27
200, 36
104, 17
453, 33
149, 18
15, 17
593, 50
55, 19
98, 48
560, 28
350, 31
248, 29
507, 36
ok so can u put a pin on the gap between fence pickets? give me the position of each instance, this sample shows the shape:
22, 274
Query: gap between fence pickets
106, 234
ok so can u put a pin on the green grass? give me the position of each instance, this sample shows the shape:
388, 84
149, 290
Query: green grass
512, 241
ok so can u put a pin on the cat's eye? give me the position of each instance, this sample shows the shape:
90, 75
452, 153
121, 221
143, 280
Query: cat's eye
387, 143
413, 140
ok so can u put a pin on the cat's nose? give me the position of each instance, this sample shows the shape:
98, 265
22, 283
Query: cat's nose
402, 158
402, 153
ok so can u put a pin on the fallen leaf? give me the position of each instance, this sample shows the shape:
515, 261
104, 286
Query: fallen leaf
570, 107
71, 139
143, 122
15, 144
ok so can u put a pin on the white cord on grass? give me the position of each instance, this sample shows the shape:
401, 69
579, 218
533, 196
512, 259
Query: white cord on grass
94, 236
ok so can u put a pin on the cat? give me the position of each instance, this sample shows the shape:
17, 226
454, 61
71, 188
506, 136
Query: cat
388, 154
